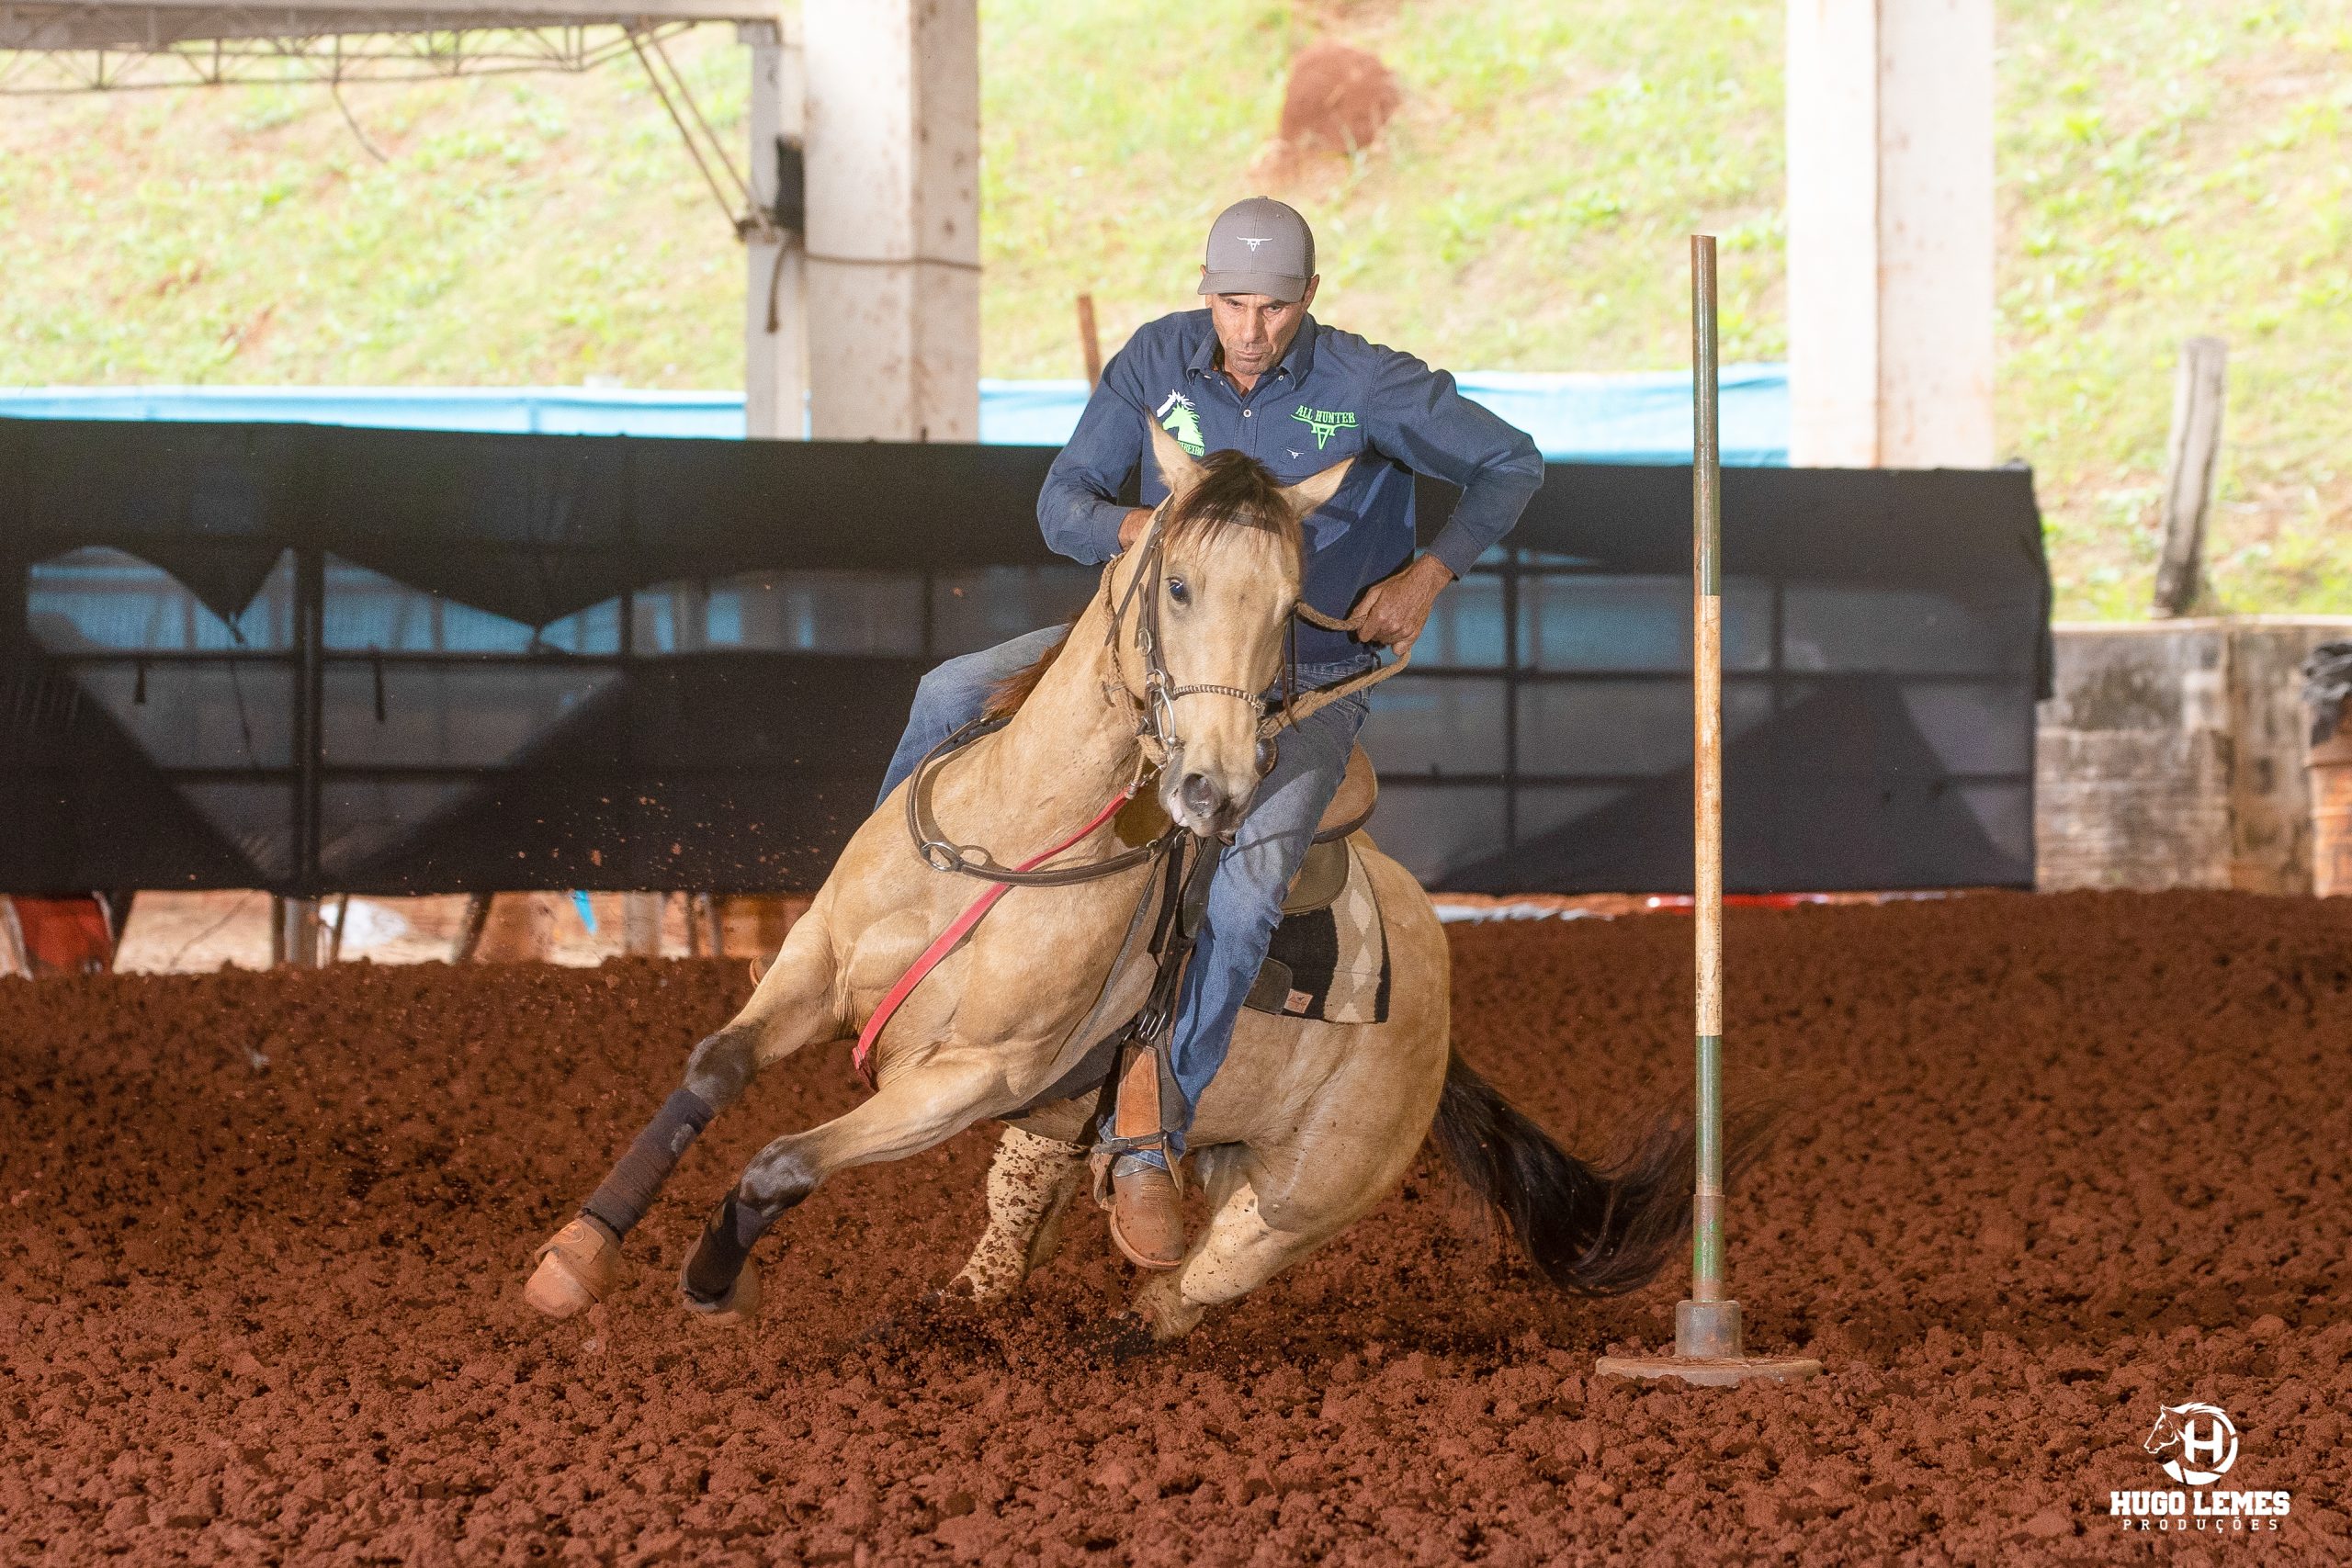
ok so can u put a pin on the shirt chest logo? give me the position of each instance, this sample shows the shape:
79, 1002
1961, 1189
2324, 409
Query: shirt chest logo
1324, 422
1179, 419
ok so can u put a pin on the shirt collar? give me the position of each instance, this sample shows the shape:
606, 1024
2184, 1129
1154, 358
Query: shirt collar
1301, 357
1298, 361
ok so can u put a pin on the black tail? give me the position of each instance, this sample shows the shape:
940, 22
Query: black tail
1596, 1233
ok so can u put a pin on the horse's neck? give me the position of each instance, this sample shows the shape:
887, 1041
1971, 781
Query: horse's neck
1068, 745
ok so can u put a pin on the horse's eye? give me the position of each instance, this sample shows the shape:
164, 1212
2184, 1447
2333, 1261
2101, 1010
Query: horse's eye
1179, 592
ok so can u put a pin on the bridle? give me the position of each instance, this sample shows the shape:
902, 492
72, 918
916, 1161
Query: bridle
1153, 712
1155, 707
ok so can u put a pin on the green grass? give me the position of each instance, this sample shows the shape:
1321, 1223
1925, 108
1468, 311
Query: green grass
1525, 210
2168, 170
2165, 168
524, 229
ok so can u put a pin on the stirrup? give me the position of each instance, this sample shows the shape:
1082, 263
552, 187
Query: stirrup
1105, 1153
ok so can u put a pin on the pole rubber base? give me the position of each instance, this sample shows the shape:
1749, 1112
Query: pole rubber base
1707, 1353
1710, 1374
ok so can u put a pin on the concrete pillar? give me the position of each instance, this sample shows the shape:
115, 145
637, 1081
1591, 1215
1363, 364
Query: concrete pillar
775, 330
1890, 150
520, 930
894, 218
14, 958
641, 915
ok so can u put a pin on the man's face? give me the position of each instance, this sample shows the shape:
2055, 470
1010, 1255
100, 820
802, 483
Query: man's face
1255, 330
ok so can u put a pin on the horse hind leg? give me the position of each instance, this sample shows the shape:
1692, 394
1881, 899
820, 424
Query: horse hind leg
1031, 1182
790, 1008
1235, 1254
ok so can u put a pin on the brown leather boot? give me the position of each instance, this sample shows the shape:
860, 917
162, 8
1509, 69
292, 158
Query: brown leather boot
1146, 1222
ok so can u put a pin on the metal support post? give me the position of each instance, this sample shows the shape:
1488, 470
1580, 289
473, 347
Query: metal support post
297, 934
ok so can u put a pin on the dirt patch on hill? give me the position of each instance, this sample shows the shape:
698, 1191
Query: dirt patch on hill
2047, 1164
1337, 99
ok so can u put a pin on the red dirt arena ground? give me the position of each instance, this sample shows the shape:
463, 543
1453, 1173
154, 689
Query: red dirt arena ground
2047, 1164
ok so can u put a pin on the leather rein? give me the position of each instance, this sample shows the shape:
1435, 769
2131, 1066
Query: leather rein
1155, 719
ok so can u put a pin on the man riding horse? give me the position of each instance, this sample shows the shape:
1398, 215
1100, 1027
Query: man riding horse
1255, 372
1314, 1113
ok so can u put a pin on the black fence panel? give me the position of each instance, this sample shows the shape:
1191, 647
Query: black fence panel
309, 659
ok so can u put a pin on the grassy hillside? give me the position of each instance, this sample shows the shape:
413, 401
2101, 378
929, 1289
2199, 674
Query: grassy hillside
2168, 170
2165, 170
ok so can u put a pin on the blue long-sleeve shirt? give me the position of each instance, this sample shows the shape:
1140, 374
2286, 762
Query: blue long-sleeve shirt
1334, 395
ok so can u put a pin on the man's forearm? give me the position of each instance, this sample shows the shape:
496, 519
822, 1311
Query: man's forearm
1487, 511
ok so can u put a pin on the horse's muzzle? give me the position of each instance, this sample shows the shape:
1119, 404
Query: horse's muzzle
1206, 807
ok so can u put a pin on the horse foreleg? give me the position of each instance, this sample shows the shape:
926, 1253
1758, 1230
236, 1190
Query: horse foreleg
914, 1110
792, 1007
1029, 1184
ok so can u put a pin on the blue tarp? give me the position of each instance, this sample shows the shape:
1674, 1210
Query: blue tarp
1574, 418
552, 411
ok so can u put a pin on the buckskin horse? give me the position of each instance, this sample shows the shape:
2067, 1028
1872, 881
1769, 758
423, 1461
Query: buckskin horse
1308, 1123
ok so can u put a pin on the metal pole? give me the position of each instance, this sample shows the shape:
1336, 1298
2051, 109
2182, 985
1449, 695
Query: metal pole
1707, 747
1707, 1338
309, 704
297, 942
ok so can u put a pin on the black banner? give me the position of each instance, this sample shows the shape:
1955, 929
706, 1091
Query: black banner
311, 658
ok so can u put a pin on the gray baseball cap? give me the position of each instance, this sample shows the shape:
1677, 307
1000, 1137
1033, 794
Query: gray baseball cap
1260, 246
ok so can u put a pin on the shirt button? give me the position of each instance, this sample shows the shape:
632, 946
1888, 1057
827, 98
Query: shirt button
1247, 414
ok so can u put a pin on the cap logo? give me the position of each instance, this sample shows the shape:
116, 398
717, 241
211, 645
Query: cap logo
1253, 244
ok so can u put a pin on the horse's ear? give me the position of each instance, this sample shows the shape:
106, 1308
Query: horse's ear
1310, 493
1177, 466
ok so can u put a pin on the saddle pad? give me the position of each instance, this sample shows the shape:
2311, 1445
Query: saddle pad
1330, 964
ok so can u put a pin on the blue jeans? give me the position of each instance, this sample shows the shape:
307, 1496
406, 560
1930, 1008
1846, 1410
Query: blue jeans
1245, 897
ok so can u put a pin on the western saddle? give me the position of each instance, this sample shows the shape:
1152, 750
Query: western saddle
1325, 870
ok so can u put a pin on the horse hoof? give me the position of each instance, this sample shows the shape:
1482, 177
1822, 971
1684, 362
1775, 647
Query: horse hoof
1159, 1307
576, 1270
1122, 1339
738, 1307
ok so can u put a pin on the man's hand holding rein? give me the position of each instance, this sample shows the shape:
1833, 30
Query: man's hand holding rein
1394, 609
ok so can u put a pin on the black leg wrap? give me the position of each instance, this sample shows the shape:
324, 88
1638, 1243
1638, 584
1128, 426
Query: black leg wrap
728, 1238
629, 1190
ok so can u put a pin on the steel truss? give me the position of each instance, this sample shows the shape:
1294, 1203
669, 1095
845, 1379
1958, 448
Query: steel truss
241, 51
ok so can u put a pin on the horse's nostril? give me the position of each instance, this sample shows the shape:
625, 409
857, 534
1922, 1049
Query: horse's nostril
1200, 794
